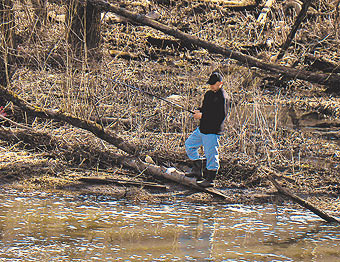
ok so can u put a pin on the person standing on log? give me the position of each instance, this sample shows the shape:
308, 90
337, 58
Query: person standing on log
212, 115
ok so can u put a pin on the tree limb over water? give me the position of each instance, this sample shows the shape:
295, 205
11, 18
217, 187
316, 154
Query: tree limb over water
297, 199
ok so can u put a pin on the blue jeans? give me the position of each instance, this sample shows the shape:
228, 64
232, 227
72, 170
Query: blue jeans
210, 143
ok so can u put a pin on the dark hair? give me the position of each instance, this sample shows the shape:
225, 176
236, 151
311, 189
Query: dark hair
214, 77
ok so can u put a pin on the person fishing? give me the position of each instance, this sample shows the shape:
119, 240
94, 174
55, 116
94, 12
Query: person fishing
212, 115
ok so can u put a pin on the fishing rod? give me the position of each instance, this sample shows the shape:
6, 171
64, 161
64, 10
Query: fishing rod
152, 95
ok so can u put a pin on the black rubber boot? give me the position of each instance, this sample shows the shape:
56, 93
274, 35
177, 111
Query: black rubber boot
209, 176
197, 168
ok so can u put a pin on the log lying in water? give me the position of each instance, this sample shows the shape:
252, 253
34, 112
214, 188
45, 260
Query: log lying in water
297, 199
169, 174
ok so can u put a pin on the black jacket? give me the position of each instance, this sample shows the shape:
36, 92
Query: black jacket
214, 110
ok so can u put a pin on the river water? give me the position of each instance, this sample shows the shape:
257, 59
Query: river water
51, 227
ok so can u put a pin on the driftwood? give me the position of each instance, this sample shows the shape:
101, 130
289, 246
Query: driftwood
169, 174
249, 61
268, 172
298, 21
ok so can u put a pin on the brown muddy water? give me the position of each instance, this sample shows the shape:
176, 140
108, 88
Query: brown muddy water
51, 227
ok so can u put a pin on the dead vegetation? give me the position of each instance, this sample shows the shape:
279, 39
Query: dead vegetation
287, 124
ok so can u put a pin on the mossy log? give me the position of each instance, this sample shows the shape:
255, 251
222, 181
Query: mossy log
91, 126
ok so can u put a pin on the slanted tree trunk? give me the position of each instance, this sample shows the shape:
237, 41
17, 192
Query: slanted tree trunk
90, 126
331, 80
268, 172
7, 46
83, 22
295, 27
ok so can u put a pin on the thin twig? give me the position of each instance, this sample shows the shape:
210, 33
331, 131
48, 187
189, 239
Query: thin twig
15, 123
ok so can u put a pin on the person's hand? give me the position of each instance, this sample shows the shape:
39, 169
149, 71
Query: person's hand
198, 114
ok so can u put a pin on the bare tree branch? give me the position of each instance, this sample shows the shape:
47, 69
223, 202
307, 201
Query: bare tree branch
297, 199
295, 27
93, 127
332, 80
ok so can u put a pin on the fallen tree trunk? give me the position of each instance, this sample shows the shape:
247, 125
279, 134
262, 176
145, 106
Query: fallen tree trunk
42, 141
83, 155
168, 173
297, 199
332, 80
93, 127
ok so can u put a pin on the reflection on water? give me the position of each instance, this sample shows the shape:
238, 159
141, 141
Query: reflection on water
47, 227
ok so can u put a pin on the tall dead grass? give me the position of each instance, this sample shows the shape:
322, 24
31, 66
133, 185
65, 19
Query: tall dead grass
51, 76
